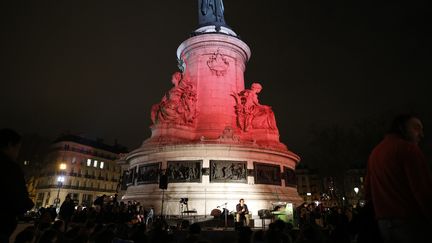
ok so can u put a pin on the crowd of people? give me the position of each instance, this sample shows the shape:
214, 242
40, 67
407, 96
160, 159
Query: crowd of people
397, 192
105, 221
111, 221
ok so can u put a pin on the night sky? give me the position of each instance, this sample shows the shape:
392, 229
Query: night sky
96, 67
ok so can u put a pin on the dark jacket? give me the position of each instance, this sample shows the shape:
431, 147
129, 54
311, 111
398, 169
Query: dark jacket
15, 191
67, 209
239, 209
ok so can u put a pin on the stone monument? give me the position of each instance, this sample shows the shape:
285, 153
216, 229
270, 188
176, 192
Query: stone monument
211, 136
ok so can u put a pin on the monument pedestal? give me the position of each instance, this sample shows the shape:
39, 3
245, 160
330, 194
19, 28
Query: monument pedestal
210, 175
211, 137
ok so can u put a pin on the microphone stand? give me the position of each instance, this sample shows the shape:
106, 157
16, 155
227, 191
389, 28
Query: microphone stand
226, 217
225, 213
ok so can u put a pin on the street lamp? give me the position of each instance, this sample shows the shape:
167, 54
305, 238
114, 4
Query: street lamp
62, 166
308, 194
356, 190
60, 180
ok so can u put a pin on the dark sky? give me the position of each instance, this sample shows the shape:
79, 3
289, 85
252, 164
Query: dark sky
96, 67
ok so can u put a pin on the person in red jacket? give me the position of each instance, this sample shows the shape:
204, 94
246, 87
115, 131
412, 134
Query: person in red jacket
399, 183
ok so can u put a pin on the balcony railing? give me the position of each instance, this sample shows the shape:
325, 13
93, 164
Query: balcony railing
84, 188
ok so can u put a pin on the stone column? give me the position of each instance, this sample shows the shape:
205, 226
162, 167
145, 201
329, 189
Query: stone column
215, 63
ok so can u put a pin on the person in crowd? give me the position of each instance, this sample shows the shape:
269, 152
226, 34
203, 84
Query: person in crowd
14, 186
26, 236
398, 183
67, 210
242, 212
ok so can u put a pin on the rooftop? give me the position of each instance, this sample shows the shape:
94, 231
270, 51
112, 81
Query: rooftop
116, 148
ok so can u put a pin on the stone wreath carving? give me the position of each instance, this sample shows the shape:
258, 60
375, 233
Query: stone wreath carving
228, 135
218, 64
250, 113
178, 106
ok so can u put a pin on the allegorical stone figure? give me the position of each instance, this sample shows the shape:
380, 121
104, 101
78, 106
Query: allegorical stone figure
211, 12
250, 113
178, 105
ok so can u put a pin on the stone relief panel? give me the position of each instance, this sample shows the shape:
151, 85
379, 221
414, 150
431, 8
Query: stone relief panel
290, 177
218, 63
130, 176
250, 113
267, 174
178, 106
228, 171
184, 171
124, 180
148, 173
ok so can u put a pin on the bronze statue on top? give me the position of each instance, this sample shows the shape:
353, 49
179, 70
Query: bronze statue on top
211, 12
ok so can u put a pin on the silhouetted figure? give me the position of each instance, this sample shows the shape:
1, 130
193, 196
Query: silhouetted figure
366, 225
67, 209
12, 180
25, 236
79, 215
49, 236
276, 232
138, 234
399, 182
339, 222
244, 234
194, 234
99, 202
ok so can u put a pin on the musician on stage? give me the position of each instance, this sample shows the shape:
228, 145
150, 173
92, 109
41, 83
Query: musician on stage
242, 212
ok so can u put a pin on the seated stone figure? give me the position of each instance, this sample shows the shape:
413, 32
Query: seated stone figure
178, 106
250, 113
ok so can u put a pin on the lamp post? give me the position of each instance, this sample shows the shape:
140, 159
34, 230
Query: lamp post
356, 190
60, 180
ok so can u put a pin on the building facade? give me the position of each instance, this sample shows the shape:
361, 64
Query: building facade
81, 167
328, 190
353, 185
309, 184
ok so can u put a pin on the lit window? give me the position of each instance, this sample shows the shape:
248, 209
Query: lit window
88, 162
95, 163
102, 164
